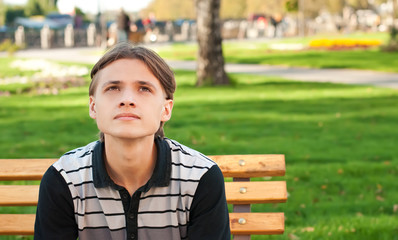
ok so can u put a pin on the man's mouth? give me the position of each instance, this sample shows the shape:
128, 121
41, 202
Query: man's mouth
127, 116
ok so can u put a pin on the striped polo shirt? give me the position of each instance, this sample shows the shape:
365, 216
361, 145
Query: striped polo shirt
158, 210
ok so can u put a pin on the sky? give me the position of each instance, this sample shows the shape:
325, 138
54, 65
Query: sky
91, 6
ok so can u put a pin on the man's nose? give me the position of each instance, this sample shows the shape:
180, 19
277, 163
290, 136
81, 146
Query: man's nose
127, 99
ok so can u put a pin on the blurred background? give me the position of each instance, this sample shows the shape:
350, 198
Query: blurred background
315, 80
93, 22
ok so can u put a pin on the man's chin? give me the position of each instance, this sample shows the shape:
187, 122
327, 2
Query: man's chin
128, 136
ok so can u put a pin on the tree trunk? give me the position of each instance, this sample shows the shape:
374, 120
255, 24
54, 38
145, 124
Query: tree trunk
301, 18
394, 29
210, 63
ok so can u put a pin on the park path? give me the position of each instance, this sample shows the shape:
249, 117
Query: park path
346, 76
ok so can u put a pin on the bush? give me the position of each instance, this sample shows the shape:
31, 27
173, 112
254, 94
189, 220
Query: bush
9, 47
393, 42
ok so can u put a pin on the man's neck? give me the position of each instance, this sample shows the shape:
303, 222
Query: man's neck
130, 163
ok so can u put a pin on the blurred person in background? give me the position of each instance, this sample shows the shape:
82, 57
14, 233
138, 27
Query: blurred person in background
123, 26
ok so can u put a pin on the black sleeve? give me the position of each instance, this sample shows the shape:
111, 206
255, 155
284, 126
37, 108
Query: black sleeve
209, 218
55, 218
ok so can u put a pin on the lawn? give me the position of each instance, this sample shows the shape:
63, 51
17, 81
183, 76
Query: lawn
339, 142
259, 52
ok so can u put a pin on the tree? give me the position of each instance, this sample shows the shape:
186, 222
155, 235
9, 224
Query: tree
233, 9
291, 5
40, 7
33, 8
170, 9
12, 12
393, 42
210, 63
2, 13
269, 7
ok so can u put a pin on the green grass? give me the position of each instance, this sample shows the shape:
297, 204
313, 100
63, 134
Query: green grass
255, 52
339, 142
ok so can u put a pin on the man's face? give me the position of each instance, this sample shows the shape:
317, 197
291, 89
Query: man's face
129, 101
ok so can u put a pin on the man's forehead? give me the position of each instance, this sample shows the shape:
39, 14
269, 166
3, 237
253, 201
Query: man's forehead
138, 71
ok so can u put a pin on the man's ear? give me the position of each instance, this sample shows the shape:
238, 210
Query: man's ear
167, 109
92, 111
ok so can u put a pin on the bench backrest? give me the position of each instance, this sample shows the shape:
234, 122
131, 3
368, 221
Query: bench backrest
242, 192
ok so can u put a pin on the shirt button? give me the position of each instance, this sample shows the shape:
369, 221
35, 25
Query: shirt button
132, 236
132, 216
125, 196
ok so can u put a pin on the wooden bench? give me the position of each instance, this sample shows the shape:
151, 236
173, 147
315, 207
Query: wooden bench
242, 192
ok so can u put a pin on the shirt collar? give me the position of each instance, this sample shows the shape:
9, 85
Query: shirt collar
160, 176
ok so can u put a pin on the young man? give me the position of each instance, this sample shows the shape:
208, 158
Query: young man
133, 183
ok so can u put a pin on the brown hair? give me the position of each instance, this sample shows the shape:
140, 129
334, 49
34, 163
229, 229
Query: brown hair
152, 60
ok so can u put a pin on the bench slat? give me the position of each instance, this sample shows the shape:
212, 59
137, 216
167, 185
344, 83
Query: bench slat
257, 223
241, 166
23, 169
256, 192
19, 195
17, 224
248, 166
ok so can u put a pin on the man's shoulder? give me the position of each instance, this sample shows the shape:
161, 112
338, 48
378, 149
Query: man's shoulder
186, 155
76, 158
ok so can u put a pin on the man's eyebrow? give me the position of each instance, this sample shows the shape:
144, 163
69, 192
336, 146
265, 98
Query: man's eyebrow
141, 82
111, 83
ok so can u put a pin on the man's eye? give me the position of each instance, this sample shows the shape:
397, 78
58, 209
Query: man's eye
145, 89
112, 88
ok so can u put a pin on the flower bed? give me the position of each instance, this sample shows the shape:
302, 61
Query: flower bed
337, 44
48, 77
